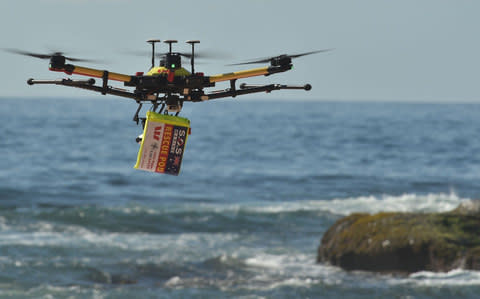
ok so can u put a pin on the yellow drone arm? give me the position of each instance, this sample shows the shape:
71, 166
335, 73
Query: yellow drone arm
261, 71
99, 74
85, 71
240, 74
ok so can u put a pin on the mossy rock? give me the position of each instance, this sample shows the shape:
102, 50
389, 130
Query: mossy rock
404, 242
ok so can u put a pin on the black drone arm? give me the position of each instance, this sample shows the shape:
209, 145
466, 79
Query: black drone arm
88, 85
244, 89
196, 96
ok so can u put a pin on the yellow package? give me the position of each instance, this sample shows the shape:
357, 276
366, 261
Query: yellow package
163, 143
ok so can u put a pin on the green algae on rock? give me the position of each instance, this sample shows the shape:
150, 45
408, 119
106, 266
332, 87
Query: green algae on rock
405, 242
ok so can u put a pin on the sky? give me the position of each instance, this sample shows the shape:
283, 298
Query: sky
409, 50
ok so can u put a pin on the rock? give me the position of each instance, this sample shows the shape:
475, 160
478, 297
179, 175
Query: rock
405, 242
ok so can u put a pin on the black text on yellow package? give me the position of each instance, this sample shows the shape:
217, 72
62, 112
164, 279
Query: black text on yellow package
163, 143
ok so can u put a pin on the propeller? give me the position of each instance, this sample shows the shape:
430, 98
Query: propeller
198, 54
283, 56
47, 56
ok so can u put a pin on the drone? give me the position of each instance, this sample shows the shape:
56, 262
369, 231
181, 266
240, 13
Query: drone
168, 85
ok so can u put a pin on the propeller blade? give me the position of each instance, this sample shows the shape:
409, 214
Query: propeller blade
47, 56
25, 53
265, 60
309, 53
198, 54
261, 60
82, 60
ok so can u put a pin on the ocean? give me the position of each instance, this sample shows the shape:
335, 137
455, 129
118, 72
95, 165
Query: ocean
261, 181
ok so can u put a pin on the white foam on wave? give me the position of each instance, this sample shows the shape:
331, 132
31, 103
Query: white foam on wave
453, 278
308, 274
265, 272
432, 202
456, 277
154, 247
408, 202
300, 270
50, 291
3, 223
294, 270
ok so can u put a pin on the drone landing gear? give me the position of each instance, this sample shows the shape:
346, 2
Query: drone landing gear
173, 105
169, 105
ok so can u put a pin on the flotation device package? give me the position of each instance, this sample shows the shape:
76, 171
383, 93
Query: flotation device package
163, 143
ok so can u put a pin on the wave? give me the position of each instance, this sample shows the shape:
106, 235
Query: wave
408, 202
262, 246
266, 272
456, 277
234, 269
183, 218
432, 202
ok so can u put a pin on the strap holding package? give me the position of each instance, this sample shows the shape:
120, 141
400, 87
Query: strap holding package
163, 143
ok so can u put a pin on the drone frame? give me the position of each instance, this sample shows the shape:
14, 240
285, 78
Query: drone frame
171, 90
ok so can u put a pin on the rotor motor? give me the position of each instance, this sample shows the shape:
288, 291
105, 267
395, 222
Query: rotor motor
282, 60
57, 61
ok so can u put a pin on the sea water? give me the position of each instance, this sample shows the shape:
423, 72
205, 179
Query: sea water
261, 181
